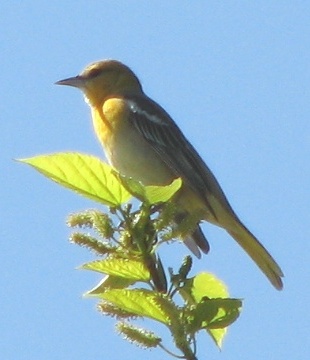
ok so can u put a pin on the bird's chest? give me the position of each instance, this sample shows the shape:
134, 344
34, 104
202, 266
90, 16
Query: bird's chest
125, 148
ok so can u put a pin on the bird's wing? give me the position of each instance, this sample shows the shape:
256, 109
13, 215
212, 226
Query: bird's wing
158, 128
166, 138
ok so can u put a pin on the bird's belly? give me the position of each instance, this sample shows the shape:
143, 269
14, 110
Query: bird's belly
125, 148
132, 156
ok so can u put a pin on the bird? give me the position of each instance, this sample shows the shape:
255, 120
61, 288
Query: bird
142, 141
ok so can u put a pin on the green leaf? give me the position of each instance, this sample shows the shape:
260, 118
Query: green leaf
151, 194
84, 174
119, 267
218, 335
143, 303
228, 310
204, 285
211, 296
215, 315
158, 194
109, 282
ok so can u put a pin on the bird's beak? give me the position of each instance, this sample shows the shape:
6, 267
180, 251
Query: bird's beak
76, 81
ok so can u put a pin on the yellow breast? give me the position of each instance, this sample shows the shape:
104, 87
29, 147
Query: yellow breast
125, 148
130, 154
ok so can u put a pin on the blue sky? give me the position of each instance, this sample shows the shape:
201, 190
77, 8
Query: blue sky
235, 76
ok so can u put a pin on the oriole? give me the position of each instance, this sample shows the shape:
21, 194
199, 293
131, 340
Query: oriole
143, 142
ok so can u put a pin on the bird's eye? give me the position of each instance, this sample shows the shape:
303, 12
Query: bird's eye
94, 72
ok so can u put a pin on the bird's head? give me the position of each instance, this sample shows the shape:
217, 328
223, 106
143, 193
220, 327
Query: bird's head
104, 79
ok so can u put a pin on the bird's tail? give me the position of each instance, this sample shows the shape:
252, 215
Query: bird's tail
259, 254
